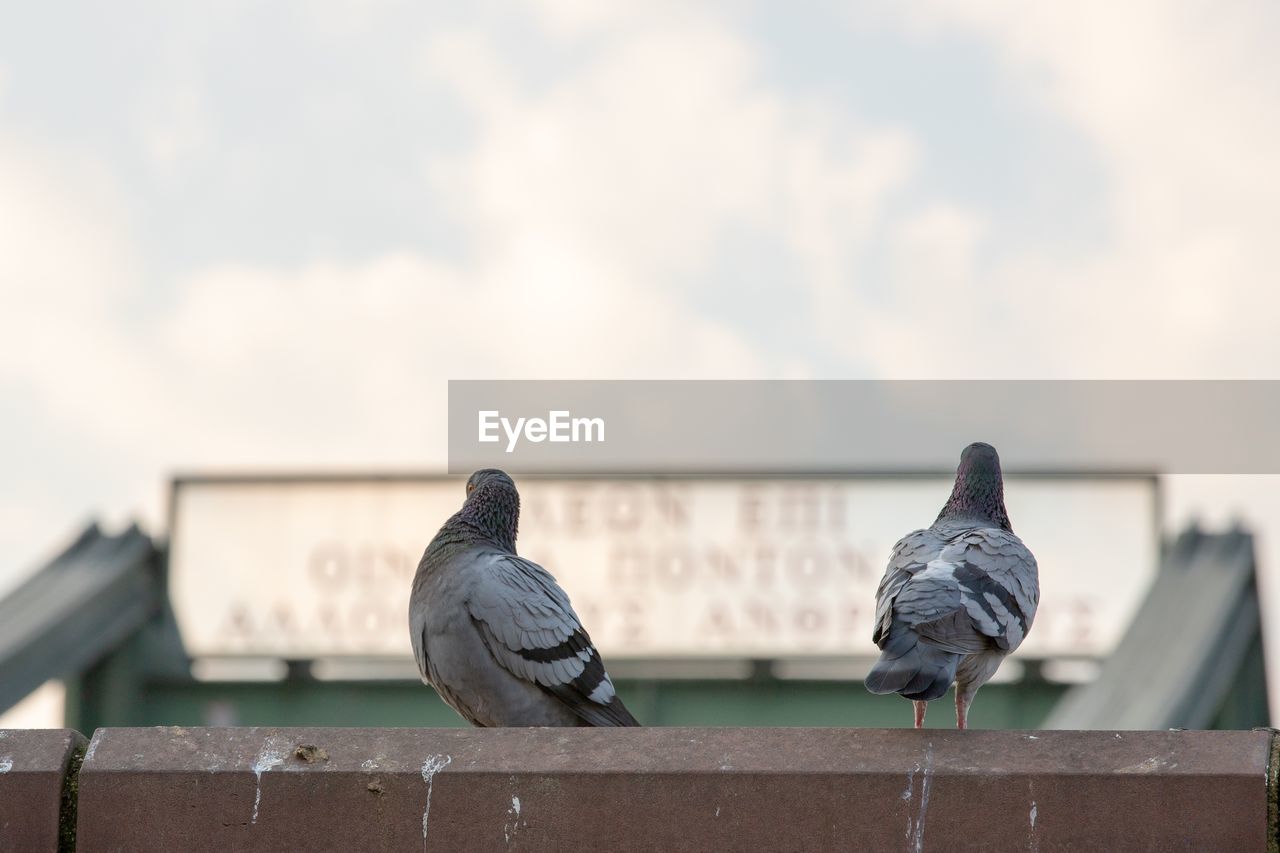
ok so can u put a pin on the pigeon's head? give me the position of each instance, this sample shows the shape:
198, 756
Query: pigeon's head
493, 506
980, 458
979, 489
489, 477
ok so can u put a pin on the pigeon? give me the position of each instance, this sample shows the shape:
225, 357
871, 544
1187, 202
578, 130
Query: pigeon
494, 633
956, 597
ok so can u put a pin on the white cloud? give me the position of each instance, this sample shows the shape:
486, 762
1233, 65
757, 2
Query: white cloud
344, 363
347, 364
589, 197
66, 269
1182, 101
576, 19
173, 126
663, 138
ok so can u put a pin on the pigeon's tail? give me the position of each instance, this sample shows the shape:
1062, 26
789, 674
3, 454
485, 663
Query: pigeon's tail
911, 668
614, 714
624, 716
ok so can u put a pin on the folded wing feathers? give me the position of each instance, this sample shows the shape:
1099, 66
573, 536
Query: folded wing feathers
909, 556
532, 631
978, 591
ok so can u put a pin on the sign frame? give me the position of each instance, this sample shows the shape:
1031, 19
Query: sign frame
1151, 480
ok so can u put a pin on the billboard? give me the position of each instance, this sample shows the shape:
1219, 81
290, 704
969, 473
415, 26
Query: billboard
657, 567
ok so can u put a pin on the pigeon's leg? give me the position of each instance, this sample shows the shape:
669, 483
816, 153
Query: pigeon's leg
963, 698
920, 709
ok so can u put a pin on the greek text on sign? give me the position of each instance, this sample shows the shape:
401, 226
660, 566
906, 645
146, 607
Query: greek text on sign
656, 567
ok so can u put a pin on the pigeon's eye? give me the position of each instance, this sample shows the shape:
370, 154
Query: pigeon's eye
471, 487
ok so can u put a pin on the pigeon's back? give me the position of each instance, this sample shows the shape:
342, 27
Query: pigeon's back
495, 634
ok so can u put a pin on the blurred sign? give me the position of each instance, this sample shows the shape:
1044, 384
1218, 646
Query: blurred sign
656, 567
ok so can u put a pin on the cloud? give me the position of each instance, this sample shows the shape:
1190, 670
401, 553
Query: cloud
659, 142
66, 268
173, 126
665, 139
610, 169
347, 364
1182, 103
584, 206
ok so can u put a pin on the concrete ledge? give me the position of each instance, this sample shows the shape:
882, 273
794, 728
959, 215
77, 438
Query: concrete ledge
34, 766
672, 789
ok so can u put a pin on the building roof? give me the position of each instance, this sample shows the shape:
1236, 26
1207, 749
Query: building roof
76, 609
1187, 645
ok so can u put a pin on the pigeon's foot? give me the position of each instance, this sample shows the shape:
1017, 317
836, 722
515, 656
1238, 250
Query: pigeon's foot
920, 709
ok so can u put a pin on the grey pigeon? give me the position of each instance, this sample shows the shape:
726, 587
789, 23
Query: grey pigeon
494, 633
957, 597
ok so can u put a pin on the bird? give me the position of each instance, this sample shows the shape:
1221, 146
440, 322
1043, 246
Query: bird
493, 632
956, 597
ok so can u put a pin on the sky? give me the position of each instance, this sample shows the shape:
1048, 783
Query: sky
246, 236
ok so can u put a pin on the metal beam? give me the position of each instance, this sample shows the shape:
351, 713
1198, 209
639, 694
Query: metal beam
1191, 648
77, 609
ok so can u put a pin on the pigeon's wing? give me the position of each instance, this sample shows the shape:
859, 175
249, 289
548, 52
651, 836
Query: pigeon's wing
910, 555
530, 628
1001, 555
418, 637
979, 594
